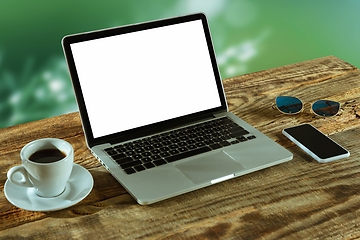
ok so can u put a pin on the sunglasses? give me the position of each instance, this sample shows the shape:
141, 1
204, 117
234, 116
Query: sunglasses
293, 105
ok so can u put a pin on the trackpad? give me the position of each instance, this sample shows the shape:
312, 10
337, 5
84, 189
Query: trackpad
205, 169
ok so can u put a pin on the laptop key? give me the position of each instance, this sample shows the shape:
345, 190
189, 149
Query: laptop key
242, 139
215, 146
191, 147
166, 143
184, 138
208, 142
130, 153
164, 154
182, 144
130, 147
188, 154
238, 134
139, 150
146, 154
111, 152
155, 151
164, 149
146, 160
159, 162
124, 160
120, 149
118, 156
129, 170
148, 148
173, 152
155, 157
130, 164
174, 146
149, 165
182, 149
108, 149
139, 168
136, 157
225, 143
236, 129
225, 120
199, 144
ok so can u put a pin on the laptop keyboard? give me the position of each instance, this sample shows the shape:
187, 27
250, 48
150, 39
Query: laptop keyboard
175, 145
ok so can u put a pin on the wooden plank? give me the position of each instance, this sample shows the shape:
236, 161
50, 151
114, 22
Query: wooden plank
298, 199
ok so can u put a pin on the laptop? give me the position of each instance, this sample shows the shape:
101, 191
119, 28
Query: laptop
154, 111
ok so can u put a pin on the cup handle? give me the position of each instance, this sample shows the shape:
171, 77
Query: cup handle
24, 181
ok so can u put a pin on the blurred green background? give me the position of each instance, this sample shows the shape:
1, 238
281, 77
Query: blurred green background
248, 35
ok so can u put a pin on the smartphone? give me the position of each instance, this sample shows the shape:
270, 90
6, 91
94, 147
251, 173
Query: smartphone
315, 143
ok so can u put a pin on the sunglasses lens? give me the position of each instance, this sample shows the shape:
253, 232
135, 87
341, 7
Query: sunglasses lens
289, 105
326, 108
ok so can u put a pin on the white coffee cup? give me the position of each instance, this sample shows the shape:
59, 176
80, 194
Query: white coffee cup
48, 179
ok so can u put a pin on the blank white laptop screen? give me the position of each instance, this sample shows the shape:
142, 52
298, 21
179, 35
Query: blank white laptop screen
140, 78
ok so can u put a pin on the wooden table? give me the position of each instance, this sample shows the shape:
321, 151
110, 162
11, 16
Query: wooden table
297, 199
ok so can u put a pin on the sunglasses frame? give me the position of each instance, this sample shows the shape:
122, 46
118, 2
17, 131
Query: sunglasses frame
311, 108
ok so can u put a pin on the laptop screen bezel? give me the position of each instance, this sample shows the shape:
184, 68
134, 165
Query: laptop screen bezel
152, 128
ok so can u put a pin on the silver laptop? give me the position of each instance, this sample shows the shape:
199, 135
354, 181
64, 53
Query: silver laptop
154, 112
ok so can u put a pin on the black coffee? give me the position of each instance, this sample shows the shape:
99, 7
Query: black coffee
47, 156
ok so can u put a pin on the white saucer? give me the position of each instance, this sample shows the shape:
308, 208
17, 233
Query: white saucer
77, 188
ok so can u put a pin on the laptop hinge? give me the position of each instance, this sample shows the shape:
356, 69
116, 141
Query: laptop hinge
219, 114
150, 130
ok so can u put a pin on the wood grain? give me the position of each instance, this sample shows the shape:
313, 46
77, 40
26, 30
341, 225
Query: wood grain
297, 199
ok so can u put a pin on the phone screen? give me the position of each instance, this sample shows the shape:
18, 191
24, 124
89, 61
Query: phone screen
315, 141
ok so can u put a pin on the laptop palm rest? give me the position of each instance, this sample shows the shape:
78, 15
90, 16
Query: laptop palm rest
210, 167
